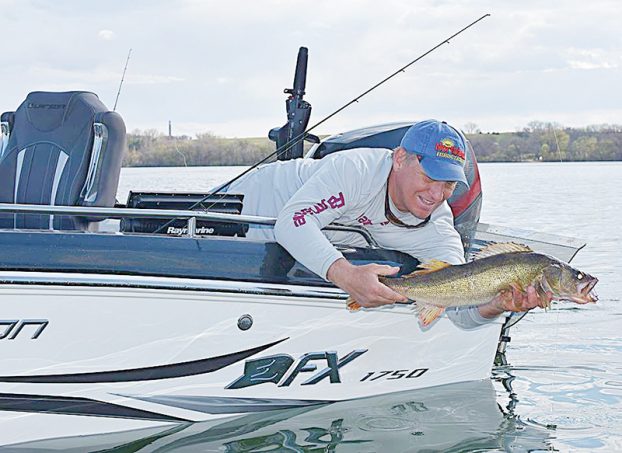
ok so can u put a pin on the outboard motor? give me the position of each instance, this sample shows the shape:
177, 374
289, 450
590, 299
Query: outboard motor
298, 114
466, 202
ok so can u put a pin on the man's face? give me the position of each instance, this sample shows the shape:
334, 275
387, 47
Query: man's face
412, 190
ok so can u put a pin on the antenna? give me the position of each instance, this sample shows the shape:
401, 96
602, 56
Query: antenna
114, 109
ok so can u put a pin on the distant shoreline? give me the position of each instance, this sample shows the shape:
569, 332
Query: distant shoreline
479, 162
540, 142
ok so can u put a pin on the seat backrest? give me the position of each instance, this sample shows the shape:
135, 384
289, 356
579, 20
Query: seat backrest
59, 149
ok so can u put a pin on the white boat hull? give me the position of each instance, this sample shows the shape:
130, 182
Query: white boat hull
154, 355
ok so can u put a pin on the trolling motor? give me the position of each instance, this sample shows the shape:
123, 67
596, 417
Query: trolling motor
298, 114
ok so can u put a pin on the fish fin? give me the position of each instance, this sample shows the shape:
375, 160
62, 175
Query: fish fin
501, 247
546, 303
352, 305
428, 313
427, 267
504, 295
517, 287
541, 286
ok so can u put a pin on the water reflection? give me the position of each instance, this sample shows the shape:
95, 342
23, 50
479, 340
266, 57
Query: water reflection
461, 417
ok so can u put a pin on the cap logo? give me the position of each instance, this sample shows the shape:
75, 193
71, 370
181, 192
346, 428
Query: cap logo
447, 148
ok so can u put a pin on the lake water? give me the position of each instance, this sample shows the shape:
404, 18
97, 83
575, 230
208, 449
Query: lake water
562, 389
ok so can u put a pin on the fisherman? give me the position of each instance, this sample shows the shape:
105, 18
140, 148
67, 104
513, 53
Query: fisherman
399, 196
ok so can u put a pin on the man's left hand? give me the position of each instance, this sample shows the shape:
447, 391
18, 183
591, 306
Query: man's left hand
517, 301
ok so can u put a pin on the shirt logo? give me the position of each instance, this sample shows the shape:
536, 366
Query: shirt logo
333, 202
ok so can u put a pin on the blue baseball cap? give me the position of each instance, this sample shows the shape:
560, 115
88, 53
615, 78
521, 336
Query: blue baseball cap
441, 147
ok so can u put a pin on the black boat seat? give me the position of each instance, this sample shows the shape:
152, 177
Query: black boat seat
62, 149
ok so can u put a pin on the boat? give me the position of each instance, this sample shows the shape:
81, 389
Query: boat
158, 312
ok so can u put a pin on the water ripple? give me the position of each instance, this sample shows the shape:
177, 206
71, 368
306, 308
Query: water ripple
384, 423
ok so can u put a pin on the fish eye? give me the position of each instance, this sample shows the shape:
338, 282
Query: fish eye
579, 275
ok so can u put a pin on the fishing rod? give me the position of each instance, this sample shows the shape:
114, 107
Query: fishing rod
114, 109
302, 135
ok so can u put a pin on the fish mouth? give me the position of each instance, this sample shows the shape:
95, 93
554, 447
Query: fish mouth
585, 292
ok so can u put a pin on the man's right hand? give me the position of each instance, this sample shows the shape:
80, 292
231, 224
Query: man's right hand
361, 282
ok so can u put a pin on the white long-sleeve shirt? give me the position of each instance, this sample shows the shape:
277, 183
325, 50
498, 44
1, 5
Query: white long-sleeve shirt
348, 188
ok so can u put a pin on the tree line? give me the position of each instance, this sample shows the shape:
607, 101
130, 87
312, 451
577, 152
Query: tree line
153, 149
541, 141
538, 141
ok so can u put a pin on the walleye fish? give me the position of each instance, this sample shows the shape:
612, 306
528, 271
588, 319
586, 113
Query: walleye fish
497, 269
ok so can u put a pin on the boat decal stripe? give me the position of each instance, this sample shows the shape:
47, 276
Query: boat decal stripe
227, 405
174, 370
76, 406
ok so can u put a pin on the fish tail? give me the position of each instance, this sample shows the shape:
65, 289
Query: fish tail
352, 305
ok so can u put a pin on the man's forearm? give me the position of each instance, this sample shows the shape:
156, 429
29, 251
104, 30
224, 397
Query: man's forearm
492, 309
307, 245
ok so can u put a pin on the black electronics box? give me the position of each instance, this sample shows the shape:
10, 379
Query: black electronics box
221, 203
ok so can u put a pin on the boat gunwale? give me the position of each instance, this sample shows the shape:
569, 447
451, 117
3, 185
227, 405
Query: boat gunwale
36, 278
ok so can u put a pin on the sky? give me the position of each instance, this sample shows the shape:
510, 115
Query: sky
220, 67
